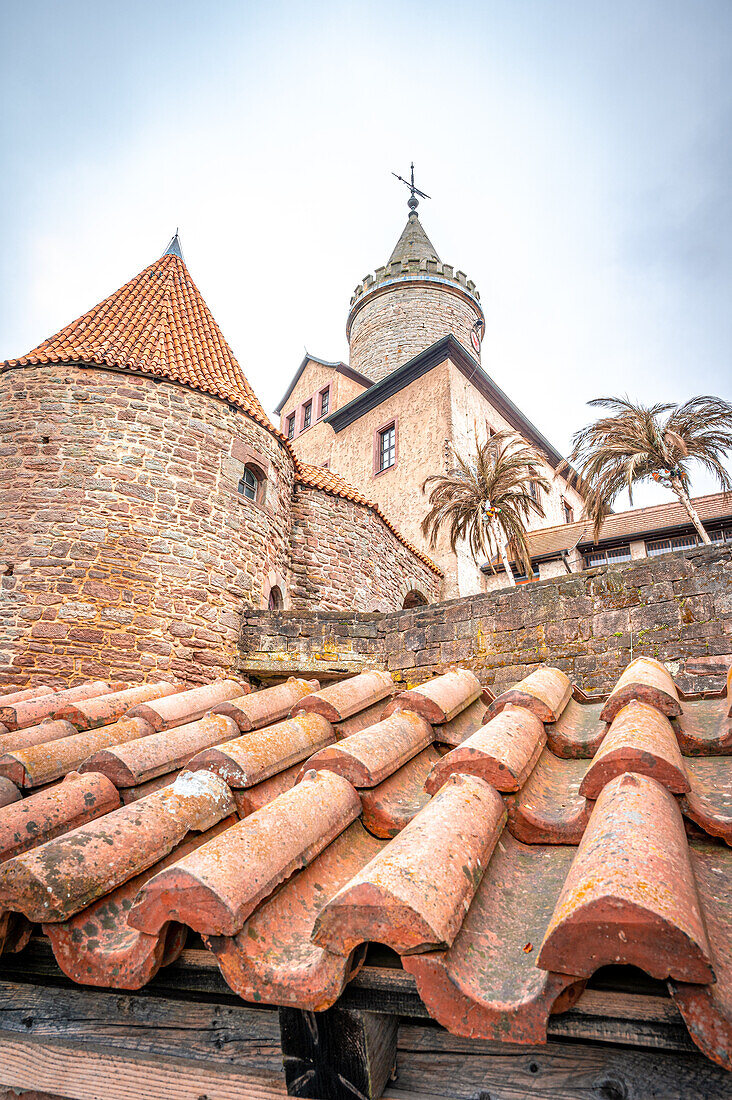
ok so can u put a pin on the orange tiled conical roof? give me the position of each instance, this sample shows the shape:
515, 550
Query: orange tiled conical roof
159, 324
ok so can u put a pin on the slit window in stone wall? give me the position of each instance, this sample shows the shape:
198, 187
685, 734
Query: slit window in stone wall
274, 600
250, 484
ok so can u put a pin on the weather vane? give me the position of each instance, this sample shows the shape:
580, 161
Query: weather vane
412, 202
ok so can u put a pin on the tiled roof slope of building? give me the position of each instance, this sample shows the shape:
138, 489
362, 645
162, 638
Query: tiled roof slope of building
635, 523
317, 477
158, 324
556, 836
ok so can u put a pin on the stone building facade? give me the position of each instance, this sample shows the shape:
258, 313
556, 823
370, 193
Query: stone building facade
415, 385
146, 500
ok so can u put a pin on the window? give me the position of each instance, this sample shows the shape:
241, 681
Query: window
534, 491
568, 512
605, 557
415, 598
291, 426
387, 447
324, 401
307, 415
275, 601
249, 484
665, 546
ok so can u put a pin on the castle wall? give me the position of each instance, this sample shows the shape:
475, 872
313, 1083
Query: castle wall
344, 556
393, 326
128, 550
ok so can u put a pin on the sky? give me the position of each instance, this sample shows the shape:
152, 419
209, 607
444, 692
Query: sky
578, 154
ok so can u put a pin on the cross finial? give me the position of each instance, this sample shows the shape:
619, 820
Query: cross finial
412, 201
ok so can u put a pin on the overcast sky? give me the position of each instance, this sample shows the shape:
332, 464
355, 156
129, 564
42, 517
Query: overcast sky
578, 155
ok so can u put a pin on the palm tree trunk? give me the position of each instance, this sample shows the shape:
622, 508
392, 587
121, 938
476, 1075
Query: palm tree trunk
501, 540
678, 487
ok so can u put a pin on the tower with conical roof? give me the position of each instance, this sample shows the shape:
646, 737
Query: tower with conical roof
409, 304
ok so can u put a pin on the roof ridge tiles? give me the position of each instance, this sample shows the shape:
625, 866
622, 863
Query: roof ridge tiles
188, 705
413, 895
442, 698
216, 888
630, 895
31, 711
648, 681
503, 752
346, 697
545, 692
368, 757
389, 806
642, 740
248, 760
100, 710
260, 708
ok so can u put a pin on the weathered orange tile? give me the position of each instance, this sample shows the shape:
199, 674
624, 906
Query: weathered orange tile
19, 695
549, 808
98, 947
250, 799
187, 706
134, 762
272, 959
641, 740
59, 878
261, 754
339, 701
261, 708
391, 805
707, 1009
367, 758
40, 764
487, 985
709, 800
87, 714
134, 794
705, 727
45, 731
31, 711
630, 895
646, 680
219, 886
414, 895
9, 793
578, 732
467, 722
440, 699
545, 692
502, 752
361, 720
54, 811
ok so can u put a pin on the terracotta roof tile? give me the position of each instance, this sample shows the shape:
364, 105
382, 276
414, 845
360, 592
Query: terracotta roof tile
157, 324
587, 882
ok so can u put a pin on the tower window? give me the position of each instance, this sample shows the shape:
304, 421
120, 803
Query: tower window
291, 426
250, 484
274, 600
307, 415
385, 448
324, 401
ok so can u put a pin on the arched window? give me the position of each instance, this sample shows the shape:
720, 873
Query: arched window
250, 483
275, 601
414, 599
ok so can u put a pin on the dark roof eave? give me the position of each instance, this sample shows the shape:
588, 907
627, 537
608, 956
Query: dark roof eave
448, 347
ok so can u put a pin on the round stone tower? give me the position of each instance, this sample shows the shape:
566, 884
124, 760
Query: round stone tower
145, 495
409, 304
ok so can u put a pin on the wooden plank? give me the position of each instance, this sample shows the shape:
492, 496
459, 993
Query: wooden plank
224, 1035
557, 1071
88, 1073
337, 1054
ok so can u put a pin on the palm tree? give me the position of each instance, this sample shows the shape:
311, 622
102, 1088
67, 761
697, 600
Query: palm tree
489, 501
635, 443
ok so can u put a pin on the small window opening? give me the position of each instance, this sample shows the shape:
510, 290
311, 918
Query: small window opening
307, 415
568, 512
249, 484
325, 402
275, 601
291, 426
534, 491
414, 599
387, 447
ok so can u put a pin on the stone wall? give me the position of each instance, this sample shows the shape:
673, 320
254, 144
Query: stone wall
394, 325
677, 608
127, 549
344, 555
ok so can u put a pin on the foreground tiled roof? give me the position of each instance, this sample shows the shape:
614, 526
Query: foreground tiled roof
317, 477
159, 324
505, 848
635, 523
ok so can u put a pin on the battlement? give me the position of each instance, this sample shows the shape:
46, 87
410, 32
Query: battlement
429, 269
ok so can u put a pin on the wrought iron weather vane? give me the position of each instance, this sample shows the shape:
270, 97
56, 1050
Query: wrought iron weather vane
413, 201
